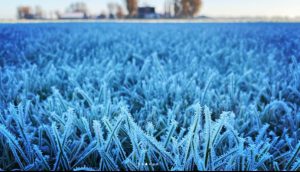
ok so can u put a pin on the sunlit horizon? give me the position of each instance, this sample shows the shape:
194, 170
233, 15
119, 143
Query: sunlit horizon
212, 8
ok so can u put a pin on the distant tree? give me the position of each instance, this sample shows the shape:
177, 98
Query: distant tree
102, 15
132, 6
177, 7
78, 7
196, 7
39, 12
111, 10
168, 8
24, 12
115, 10
185, 4
120, 13
187, 8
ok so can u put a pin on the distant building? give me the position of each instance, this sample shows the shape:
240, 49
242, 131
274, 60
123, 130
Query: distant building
75, 11
147, 13
74, 15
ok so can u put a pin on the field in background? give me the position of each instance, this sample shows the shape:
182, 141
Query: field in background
104, 96
195, 20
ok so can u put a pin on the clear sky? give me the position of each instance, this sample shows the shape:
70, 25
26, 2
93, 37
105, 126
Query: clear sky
289, 8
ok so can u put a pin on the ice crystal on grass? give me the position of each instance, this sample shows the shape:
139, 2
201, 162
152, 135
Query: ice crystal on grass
88, 97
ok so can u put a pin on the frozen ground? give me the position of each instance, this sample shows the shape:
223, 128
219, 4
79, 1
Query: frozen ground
103, 96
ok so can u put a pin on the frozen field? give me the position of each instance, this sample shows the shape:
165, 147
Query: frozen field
150, 96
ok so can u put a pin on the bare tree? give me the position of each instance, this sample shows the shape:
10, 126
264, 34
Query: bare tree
187, 8
111, 9
196, 6
24, 11
120, 13
115, 10
185, 4
39, 12
168, 8
78, 7
132, 6
177, 8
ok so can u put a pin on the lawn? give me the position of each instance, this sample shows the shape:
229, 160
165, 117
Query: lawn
108, 96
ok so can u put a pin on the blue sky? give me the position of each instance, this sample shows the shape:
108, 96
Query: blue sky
290, 8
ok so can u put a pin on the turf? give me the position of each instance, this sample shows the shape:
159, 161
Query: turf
105, 96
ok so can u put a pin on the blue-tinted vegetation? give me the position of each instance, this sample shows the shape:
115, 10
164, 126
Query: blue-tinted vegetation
150, 97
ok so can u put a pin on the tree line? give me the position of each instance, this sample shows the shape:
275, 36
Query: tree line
182, 8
